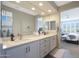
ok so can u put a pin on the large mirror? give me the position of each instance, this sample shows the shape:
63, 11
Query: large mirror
6, 23
50, 25
45, 24
0, 19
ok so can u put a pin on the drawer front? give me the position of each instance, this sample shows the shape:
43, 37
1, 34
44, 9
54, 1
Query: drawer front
44, 47
52, 42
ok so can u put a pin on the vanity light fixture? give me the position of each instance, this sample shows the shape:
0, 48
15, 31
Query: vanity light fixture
18, 1
33, 8
40, 4
49, 11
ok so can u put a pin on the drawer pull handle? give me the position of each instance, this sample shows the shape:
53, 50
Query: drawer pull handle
27, 49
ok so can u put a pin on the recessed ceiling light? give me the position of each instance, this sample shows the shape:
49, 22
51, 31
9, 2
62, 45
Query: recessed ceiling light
17, 1
49, 11
40, 4
33, 8
42, 13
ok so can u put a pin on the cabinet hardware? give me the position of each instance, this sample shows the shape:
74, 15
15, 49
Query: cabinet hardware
5, 54
26, 50
29, 48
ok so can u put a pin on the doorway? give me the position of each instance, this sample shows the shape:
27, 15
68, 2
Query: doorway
70, 31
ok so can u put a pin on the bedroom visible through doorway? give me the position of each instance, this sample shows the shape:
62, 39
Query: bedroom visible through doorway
70, 30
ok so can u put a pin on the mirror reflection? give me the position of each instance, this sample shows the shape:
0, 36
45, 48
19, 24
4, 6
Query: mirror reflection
0, 19
6, 23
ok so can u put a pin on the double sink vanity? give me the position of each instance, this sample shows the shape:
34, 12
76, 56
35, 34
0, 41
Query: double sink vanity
30, 46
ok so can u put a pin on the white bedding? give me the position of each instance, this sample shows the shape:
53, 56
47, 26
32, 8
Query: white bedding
75, 38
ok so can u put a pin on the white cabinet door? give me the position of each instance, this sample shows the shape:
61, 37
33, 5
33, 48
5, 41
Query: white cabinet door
47, 48
30, 50
16, 52
44, 47
34, 50
1, 50
52, 42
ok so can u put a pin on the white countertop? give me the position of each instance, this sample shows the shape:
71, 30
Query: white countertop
25, 39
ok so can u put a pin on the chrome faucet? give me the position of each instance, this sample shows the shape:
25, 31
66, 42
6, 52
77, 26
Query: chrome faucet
20, 35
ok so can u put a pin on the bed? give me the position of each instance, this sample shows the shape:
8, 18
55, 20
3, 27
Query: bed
71, 38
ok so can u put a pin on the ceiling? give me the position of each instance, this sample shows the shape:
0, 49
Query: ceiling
38, 9
26, 6
61, 3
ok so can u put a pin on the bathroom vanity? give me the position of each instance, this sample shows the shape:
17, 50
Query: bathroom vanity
31, 46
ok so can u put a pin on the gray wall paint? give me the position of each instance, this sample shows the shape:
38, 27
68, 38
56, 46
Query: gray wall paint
22, 23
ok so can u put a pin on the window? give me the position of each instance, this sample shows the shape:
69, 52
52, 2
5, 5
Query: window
77, 27
52, 25
64, 27
6, 24
47, 25
68, 28
72, 27
40, 23
0, 24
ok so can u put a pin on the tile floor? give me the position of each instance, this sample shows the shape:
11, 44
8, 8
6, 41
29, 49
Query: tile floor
73, 48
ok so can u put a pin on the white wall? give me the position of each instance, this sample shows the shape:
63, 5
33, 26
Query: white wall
72, 14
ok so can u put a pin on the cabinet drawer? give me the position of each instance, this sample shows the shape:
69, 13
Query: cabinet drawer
42, 41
